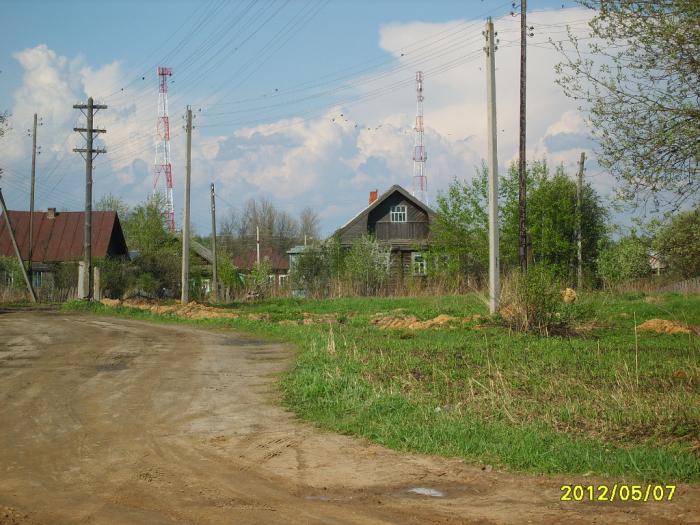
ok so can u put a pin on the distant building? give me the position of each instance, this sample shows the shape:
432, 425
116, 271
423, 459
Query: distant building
399, 220
59, 238
279, 264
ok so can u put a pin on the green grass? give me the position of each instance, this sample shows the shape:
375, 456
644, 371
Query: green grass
601, 404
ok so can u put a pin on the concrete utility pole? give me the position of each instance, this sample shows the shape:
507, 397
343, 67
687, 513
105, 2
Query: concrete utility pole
185, 285
214, 276
522, 166
11, 232
31, 201
493, 167
579, 220
89, 155
257, 245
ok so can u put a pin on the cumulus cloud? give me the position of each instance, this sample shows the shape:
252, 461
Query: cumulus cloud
329, 162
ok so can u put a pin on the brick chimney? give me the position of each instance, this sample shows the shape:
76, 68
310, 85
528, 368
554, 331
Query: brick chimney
51, 213
373, 196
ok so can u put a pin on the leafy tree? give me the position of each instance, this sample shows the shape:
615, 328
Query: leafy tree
460, 232
678, 243
158, 250
367, 265
638, 79
111, 202
624, 260
312, 269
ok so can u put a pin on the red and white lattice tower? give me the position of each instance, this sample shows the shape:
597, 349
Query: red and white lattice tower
162, 167
420, 180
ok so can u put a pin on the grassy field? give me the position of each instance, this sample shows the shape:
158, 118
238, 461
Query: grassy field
607, 403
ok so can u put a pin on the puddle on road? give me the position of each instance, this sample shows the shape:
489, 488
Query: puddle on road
425, 491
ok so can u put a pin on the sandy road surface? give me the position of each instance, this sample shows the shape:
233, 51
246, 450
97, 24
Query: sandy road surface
106, 420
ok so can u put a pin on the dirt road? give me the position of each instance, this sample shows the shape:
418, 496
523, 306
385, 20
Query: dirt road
106, 420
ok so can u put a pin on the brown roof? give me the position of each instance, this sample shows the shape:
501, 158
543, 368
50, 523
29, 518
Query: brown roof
61, 238
247, 260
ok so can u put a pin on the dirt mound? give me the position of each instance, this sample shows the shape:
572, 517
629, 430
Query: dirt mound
411, 322
569, 295
664, 326
190, 311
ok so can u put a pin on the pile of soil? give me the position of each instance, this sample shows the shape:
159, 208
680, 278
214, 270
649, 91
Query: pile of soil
664, 326
191, 310
411, 322
569, 295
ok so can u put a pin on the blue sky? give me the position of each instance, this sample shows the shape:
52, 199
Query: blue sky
306, 102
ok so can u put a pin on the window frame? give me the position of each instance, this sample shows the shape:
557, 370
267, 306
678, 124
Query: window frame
398, 211
419, 268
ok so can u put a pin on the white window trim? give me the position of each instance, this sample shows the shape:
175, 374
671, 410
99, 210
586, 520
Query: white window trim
419, 268
398, 211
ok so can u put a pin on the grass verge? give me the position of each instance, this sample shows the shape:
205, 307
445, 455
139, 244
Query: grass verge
612, 404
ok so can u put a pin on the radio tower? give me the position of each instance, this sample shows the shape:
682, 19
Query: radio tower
162, 164
420, 181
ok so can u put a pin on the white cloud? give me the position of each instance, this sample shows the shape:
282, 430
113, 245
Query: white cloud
321, 162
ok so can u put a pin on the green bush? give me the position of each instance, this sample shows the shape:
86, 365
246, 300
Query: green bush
534, 302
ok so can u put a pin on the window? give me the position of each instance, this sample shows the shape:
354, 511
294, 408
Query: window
398, 213
283, 279
36, 279
418, 264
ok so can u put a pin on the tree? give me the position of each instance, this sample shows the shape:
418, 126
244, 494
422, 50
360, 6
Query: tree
638, 80
157, 265
278, 229
678, 243
308, 224
460, 232
111, 202
624, 260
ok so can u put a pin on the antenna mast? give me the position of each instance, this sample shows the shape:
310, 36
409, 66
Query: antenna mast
162, 163
420, 181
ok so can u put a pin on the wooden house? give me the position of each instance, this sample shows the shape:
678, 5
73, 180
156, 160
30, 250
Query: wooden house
398, 220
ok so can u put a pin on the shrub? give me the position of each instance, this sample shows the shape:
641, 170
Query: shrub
312, 271
533, 302
367, 266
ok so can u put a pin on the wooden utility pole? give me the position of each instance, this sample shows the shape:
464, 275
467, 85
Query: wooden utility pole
31, 201
522, 166
11, 232
493, 167
579, 220
257, 245
185, 285
214, 276
89, 153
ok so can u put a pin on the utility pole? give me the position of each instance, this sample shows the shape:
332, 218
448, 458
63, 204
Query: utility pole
257, 245
31, 200
185, 292
11, 232
493, 166
579, 220
89, 153
215, 280
522, 166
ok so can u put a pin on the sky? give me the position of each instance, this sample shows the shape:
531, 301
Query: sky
304, 102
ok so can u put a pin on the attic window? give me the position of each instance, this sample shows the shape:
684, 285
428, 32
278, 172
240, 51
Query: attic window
398, 213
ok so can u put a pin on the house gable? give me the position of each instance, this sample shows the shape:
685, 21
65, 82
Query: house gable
376, 220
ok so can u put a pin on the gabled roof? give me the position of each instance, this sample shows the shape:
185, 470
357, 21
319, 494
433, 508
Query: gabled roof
386, 195
61, 238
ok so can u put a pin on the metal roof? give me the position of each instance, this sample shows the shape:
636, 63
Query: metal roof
246, 261
61, 238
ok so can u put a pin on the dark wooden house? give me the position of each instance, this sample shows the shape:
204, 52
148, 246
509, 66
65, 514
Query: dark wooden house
399, 220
